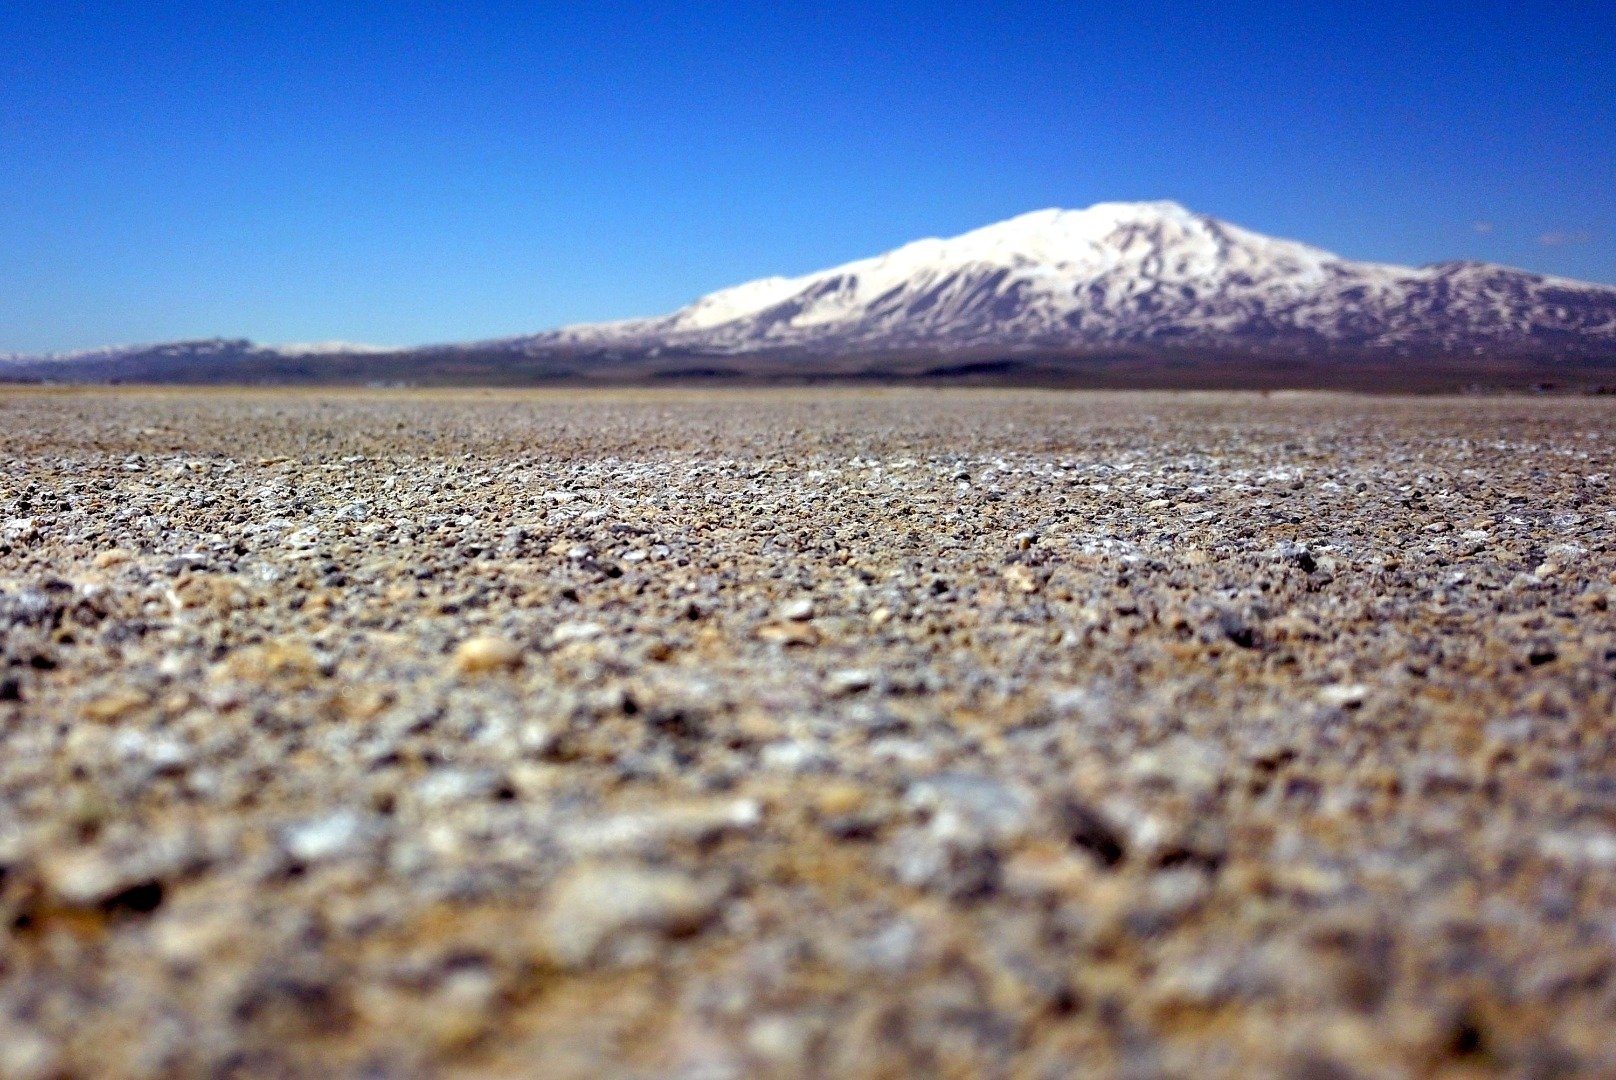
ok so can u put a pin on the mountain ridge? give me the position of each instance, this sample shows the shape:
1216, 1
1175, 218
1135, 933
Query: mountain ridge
1124, 273
1147, 278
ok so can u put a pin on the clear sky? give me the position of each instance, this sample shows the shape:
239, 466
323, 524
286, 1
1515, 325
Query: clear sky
406, 172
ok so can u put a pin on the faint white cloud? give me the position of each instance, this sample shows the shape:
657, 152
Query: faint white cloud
1565, 237
1483, 226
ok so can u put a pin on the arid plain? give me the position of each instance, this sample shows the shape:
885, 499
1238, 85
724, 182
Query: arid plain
806, 733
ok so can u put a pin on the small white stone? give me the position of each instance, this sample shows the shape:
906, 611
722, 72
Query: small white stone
849, 681
601, 913
332, 836
781, 1040
1343, 695
800, 610
444, 786
972, 804
27, 1055
650, 832
794, 756
82, 877
1593, 848
569, 632
22, 530
480, 655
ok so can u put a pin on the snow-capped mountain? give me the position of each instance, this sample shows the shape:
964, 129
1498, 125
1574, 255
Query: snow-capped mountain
1125, 273
1119, 287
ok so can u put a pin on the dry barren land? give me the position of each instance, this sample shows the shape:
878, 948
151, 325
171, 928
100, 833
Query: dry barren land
806, 734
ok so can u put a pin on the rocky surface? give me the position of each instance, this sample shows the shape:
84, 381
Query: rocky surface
806, 734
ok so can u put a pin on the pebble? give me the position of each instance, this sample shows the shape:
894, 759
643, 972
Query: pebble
805, 732
332, 836
1344, 697
849, 681
567, 633
650, 833
481, 655
28, 1055
799, 610
621, 913
974, 805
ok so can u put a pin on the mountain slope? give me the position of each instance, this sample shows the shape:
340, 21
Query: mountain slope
1126, 273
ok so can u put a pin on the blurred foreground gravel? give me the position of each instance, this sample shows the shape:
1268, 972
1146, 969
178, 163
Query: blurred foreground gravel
806, 733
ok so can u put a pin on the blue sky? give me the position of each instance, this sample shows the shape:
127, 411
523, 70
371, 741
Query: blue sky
405, 172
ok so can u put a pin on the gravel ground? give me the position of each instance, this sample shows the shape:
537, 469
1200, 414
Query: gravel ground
806, 733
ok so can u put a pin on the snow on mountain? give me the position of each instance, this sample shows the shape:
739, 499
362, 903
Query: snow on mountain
325, 348
204, 349
1124, 273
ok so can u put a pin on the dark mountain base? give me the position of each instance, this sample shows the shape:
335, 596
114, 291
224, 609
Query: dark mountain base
1108, 369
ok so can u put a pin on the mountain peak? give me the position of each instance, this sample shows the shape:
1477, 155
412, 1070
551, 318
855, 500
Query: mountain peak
1057, 235
1124, 273
1099, 214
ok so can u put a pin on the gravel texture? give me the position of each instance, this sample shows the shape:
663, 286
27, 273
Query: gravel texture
806, 733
